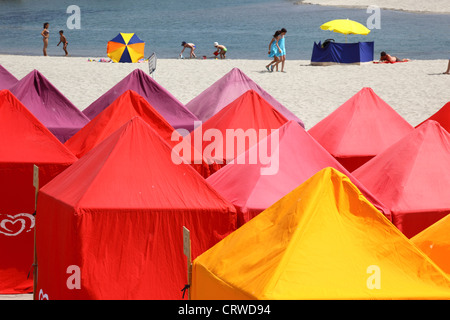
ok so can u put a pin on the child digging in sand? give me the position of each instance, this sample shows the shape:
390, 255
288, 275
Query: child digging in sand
63, 40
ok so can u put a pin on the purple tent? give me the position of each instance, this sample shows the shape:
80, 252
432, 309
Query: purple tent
159, 98
227, 89
49, 105
7, 80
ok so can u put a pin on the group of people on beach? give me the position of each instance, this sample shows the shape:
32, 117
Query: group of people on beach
277, 50
221, 50
62, 39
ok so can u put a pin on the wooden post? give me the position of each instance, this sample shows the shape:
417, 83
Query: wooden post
187, 253
36, 187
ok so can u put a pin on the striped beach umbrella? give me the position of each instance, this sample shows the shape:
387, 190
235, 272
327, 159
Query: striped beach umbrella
125, 47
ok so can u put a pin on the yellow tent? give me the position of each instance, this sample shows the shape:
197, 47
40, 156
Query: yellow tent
323, 240
434, 241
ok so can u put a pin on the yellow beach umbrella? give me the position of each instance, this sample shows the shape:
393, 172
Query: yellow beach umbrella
126, 47
345, 26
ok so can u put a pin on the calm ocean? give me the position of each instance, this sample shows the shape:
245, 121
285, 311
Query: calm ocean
244, 26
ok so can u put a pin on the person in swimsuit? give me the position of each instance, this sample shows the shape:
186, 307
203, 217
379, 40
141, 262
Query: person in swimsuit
274, 50
386, 57
45, 35
448, 68
282, 45
188, 45
221, 50
63, 39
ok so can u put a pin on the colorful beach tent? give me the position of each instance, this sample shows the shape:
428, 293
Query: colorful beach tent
360, 129
442, 116
126, 47
227, 89
434, 241
7, 80
117, 215
49, 105
24, 142
235, 128
323, 240
292, 157
159, 98
123, 109
412, 178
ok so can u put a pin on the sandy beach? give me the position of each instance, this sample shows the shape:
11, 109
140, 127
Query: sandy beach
431, 6
415, 89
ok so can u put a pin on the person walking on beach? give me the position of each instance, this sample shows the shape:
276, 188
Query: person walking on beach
274, 51
448, 68
221, 50
45, 35
63, 39
188, 45
282, 45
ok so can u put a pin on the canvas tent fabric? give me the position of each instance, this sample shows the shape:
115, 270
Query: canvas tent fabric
359, 129
434, 241
235, 128
292, 157
227, 89
117, 215
49, 105
159, 98
124, 108
411, 178
24, 142
342, 53
442, 116
7, 80
323, 240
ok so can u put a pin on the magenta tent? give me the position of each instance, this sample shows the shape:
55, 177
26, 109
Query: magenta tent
293, 157
412, 178
159, 98
227, 89
49, 105
360, 129
7, 80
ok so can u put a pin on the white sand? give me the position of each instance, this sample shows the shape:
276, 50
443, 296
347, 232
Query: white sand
432, 6
415, 89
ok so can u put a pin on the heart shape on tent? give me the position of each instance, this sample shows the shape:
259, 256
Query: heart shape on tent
15, 225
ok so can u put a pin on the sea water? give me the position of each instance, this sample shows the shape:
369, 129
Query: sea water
245, 27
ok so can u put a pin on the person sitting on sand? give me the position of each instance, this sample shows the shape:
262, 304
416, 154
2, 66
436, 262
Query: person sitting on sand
63, 39
448, 68
188, 45
386, 57
221, 50
45, 35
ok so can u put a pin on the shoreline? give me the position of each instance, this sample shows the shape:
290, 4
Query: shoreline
441, 7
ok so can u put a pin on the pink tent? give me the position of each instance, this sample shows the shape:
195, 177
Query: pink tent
360, 129
442, 116
7, 80
159, 98
293, 157
227, 89
49, 105
412, 178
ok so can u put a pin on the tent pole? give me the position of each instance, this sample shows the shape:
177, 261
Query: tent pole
35, 266
187, 253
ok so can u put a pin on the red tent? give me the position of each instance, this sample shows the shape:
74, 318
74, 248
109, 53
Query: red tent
442, 116
124, 108
228, 88
114, 220
412, 178
360, 129
236, 127
24, 141
7, 80
293, 157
